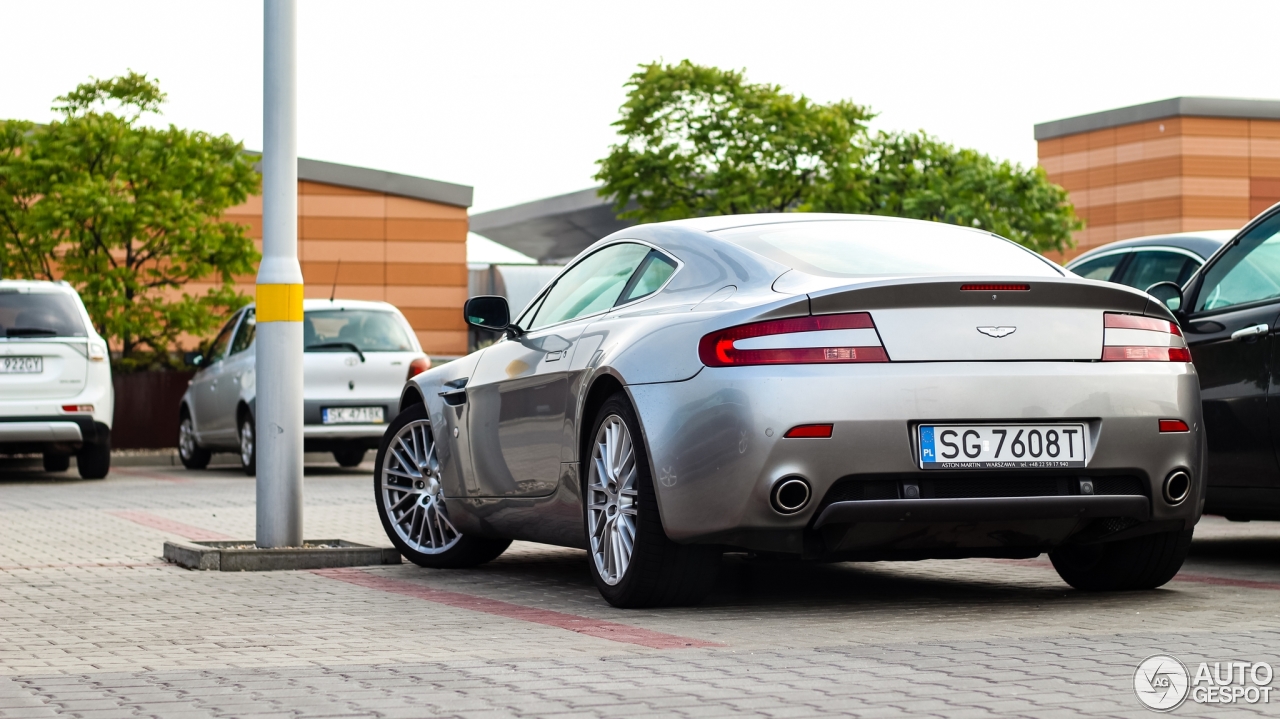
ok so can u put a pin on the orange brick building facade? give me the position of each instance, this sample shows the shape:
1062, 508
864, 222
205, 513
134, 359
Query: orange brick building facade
382, 236
1171, 166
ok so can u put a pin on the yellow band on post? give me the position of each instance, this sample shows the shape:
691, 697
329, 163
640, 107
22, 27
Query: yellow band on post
279, 303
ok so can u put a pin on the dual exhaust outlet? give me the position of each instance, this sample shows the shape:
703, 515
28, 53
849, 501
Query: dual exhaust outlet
791, 494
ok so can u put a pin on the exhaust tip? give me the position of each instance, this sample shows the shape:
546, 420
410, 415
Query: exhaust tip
790, 495
1176, 487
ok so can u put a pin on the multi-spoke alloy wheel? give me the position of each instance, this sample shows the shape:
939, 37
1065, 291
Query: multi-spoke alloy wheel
189, 451
611, 500
409, 486
411, 491
248, 447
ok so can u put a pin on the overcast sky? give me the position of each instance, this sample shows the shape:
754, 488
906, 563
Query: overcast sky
516, 98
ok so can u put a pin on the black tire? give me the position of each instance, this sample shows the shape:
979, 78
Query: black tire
56, 462
466, 551
249, 454
193, 456
93, 461
349, 456
1144, 562
660, 572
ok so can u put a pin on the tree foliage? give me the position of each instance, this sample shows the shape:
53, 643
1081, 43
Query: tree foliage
128, 214
699, 141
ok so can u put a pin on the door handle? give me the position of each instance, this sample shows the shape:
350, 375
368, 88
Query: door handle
1248, 332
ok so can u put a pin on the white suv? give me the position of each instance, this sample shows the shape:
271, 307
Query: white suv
56, 396
357, 357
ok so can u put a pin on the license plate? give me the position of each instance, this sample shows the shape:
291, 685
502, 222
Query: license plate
22, 365
351, 415
1014, 446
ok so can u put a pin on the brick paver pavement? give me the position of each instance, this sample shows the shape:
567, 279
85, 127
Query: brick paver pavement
93, 624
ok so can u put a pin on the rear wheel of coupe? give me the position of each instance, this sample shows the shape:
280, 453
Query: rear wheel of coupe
1144, 562
411, 501
631, 559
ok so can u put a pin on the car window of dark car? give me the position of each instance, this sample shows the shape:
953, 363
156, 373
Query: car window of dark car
1249, 271
1100, 268
654, 272
244, 335
1151, 266
218, 347
593, 285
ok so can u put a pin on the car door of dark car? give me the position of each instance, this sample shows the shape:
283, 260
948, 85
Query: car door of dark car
519, 391
1232, 316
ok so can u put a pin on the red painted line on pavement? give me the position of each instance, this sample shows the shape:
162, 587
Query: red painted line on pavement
186, 531
583, 625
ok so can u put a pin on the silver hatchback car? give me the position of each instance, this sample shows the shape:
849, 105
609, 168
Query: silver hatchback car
827, 387
357, 356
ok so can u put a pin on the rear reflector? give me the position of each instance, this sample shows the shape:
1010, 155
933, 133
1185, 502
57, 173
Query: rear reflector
1135, 338
1173, 425
77, 408
994, 287
813, 431
816, 339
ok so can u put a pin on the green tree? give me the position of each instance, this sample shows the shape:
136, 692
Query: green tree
128, 214
704, 141
699, 141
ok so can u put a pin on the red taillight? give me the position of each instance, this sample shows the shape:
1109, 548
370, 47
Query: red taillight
77, 408
995, 287
1173, 425
418, 366
809, 431
1113, 320
1146, 354
791, 346
1135, 338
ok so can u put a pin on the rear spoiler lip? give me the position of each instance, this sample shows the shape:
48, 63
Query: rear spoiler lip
935, 291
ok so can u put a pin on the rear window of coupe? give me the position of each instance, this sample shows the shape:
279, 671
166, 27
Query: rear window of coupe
870, 248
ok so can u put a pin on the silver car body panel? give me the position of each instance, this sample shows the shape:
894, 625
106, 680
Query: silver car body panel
714, 434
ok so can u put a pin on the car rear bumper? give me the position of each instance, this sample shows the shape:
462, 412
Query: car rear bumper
24, 434
716, 451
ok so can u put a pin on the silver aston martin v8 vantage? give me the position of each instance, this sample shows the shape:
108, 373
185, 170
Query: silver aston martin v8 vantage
828, 387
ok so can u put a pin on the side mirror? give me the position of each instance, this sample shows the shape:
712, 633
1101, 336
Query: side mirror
192, 359
1170, 293
488, 312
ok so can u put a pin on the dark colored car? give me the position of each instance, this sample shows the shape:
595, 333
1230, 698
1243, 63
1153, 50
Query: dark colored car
1229, 311
1145, 261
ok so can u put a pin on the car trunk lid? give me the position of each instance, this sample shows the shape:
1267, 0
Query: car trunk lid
985, 319
63, 367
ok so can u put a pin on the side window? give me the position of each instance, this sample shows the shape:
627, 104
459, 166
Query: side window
653, 273
244, 335
1151, 266
1247, 272
218, 347
1100, 268
593, 285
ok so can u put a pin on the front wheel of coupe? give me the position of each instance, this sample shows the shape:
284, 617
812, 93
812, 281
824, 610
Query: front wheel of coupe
1144, 562
411, 501
633, 562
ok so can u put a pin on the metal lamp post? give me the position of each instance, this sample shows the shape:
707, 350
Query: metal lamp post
279, 292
